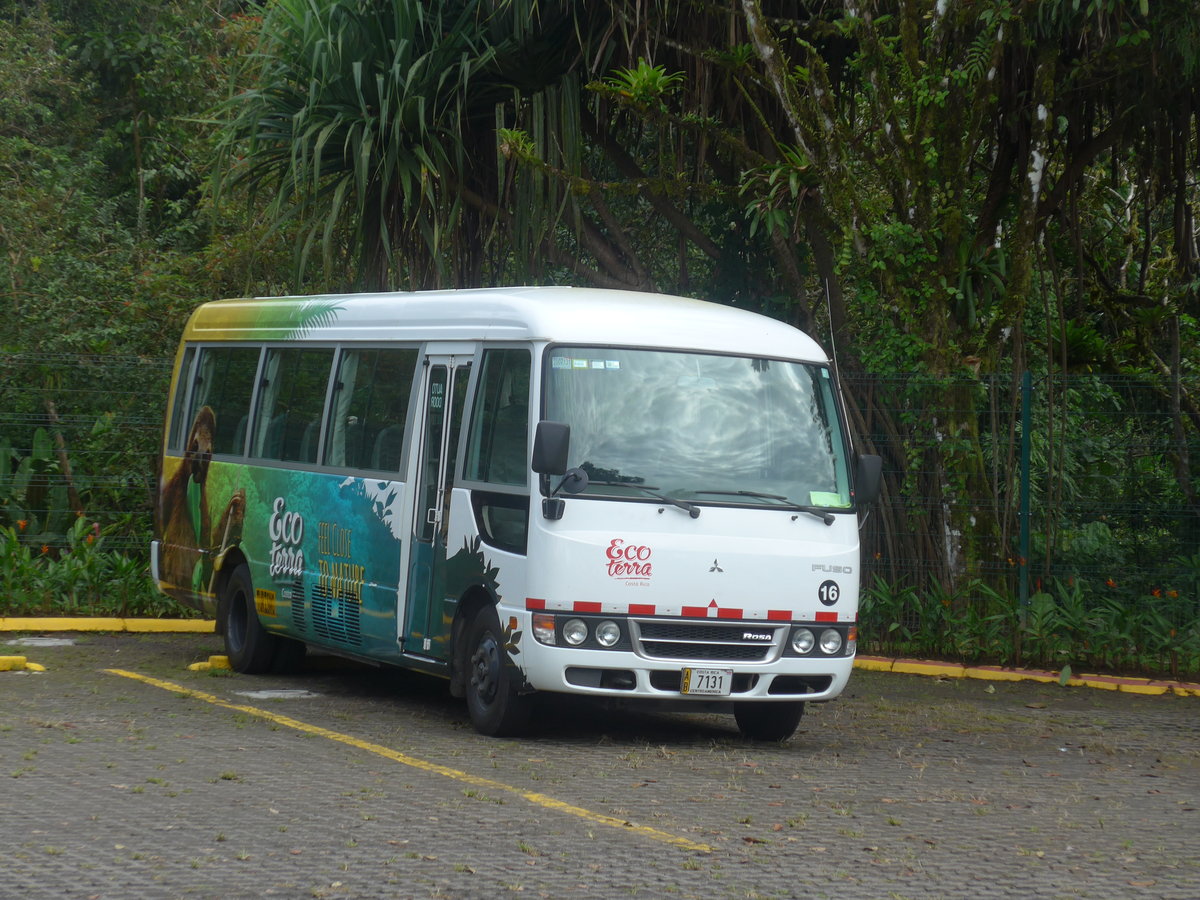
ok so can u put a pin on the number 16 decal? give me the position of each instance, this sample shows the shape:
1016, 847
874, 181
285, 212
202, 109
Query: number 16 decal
829, 592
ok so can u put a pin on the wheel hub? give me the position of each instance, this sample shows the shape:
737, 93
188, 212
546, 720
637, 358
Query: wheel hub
485, 668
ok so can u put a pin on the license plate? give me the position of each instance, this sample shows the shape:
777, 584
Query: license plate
710, 682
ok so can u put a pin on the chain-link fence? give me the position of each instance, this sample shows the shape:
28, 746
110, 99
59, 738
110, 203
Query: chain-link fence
79, 435
1079, 481
1108, 470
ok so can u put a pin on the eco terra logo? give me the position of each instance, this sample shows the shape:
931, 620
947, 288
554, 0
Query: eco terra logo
287, 534
630, 562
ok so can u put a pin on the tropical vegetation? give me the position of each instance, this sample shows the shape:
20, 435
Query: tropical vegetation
951, 193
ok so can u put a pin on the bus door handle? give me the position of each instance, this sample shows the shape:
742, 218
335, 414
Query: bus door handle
431, 516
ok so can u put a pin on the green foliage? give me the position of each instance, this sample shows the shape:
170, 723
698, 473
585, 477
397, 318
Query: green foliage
1071, 626
644, 84
357, 123
79, 578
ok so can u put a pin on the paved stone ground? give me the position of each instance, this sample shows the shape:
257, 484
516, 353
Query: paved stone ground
906, 787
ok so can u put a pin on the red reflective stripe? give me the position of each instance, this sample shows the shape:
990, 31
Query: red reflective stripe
586, 606
641, 609
826, 617
697, 611
779, 615
531, 603
729, 613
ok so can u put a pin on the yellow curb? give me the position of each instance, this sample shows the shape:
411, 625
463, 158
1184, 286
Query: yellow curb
996, 673
1098, 683
916, 667
874, 663
63, 623
114, 623
19, 664
213, 662
198, 626
1159, 688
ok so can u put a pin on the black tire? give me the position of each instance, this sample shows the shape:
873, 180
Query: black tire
492, 700
768, 721
249, 646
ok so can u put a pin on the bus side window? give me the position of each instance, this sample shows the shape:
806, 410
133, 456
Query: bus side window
498, 448
370, 409
291, 401
498, 451
179, 422
224, 383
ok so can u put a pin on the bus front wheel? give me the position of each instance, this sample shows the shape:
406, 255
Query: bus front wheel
495, 707
768, 721
249, 646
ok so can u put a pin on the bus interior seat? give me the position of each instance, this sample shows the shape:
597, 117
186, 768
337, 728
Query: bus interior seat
388, 444
238, 447
308, 442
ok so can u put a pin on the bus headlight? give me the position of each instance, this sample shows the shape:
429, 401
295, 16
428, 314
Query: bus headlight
575, 632
803, 640
831, 641
608, 633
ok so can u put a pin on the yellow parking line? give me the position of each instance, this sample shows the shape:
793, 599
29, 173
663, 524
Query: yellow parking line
425, 766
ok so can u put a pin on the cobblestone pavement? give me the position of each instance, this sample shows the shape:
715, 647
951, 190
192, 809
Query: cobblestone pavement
368, 783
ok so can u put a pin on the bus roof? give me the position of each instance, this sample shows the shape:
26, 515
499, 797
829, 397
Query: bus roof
559, 314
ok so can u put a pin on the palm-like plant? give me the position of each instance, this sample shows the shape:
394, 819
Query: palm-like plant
359, 122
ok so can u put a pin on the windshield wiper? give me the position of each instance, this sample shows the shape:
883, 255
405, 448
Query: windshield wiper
692, 509
823, 514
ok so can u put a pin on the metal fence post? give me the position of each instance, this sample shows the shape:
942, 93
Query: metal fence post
1026, 403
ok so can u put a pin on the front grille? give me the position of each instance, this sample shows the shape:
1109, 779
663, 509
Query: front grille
683, 640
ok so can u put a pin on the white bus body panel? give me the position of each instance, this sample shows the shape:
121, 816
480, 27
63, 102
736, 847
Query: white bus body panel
727, 566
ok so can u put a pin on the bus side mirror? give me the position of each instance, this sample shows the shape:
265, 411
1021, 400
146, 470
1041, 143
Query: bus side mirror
868, 477
551, 442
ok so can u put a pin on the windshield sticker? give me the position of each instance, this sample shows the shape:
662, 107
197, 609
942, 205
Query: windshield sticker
571, 362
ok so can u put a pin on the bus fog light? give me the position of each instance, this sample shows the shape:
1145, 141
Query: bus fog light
803, 640
575, 632
543, 628
831, 641
608, 633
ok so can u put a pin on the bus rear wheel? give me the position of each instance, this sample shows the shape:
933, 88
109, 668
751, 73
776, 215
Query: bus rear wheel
249, 646
495, 707
768, 721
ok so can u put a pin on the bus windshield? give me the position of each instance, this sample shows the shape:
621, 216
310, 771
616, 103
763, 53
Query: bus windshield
703, 428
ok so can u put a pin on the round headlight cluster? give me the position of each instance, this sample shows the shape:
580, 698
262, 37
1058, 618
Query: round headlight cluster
831, 641
574, 632
607, 633
805, 641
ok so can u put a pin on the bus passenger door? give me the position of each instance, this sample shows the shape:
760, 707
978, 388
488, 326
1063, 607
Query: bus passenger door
443, 394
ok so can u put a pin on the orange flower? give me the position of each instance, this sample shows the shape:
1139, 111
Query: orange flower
1111, 583
1172, 594
1157, 592
45, 548
91, 538
21, 523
